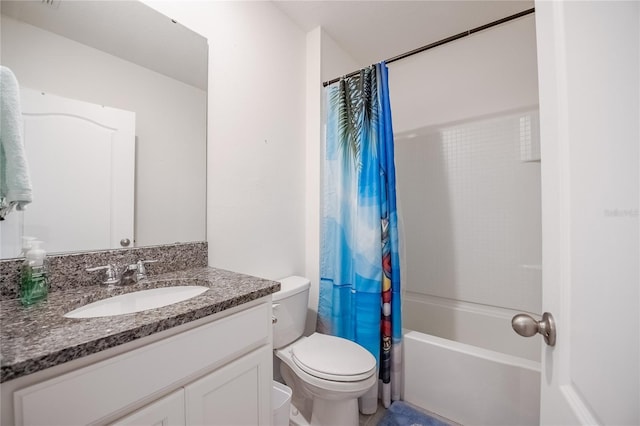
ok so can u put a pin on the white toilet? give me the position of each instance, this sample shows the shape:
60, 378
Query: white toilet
326, 373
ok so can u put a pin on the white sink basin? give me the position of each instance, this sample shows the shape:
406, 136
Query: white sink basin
137, 301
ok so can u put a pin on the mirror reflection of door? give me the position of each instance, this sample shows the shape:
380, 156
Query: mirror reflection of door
95, 51
81, 158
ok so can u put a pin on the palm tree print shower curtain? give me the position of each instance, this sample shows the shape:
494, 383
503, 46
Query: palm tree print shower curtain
359, 266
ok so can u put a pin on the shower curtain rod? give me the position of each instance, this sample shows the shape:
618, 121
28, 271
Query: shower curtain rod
443, 41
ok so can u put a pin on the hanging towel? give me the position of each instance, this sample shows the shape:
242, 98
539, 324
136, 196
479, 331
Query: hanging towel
15, 184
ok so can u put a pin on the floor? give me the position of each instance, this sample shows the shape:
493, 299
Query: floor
372, 419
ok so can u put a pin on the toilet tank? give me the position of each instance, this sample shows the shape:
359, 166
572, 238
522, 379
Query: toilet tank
290, 310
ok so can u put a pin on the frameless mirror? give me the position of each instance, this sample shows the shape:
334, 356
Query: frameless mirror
107, 55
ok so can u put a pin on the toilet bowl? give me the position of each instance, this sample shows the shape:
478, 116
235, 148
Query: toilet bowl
330, 371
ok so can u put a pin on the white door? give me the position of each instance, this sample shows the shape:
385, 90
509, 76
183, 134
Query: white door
588, 60
167, 411
236, 394
81, 158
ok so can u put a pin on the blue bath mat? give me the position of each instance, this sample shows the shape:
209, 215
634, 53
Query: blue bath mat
402, 414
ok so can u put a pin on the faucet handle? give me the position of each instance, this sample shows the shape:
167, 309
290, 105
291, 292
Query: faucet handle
142, 271
110, 273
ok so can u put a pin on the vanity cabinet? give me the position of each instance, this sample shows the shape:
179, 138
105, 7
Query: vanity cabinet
230, 395
218, 373
166, 411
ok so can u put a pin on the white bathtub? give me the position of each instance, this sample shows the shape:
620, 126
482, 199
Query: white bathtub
468, 384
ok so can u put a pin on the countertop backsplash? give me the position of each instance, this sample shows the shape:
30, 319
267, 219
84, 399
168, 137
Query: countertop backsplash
68, 270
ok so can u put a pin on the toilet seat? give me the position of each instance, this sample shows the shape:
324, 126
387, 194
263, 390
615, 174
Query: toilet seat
333, 358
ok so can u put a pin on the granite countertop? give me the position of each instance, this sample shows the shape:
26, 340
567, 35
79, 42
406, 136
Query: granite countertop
38, 337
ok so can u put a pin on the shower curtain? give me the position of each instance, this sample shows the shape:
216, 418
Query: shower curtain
359, 261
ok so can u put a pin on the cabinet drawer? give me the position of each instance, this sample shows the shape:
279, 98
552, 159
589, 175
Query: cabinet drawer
112, 386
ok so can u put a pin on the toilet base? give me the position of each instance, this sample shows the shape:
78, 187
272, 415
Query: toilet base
296, 418
335, 412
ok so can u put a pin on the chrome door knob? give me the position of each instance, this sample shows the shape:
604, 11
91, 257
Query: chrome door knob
125, 242
527, 326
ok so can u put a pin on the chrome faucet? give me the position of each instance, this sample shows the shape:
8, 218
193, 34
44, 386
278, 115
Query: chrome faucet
141, 270
110, 273
126, 275
129, 275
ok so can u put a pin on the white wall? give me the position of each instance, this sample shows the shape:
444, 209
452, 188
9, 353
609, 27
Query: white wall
336, 62
312, 171
486, 73
256, 135
468, 192
170, 166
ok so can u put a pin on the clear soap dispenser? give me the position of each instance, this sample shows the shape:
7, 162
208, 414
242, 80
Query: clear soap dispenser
34, 282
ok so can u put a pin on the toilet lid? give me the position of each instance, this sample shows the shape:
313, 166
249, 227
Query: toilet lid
333, 358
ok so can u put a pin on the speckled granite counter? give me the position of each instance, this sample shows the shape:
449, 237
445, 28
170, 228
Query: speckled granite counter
39, 337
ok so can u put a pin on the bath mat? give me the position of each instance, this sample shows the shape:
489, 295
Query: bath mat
402, 414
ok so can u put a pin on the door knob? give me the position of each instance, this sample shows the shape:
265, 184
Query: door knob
527, 326
125, 242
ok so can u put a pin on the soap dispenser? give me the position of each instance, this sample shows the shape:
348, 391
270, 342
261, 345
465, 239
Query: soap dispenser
26, 245
34, 282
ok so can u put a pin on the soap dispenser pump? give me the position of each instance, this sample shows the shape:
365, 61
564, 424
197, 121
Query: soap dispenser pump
34, 283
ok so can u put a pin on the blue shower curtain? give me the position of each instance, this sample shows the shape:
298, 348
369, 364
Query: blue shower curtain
359, 263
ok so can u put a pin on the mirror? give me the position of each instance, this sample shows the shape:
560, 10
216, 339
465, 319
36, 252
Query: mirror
127, 56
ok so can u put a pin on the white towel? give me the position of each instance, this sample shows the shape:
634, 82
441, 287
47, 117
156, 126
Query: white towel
15, 184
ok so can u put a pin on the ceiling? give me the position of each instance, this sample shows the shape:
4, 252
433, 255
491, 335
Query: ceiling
371, 31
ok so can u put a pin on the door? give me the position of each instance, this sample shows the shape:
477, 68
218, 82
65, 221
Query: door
588, 61
66, 138
237, 394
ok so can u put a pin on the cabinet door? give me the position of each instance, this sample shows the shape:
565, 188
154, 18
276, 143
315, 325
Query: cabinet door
237, 394
167, 411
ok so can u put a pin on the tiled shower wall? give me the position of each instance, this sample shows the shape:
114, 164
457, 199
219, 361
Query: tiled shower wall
469, 202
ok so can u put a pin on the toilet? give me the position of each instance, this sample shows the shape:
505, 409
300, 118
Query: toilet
326, 373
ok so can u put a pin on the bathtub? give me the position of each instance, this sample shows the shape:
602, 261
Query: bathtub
468, 384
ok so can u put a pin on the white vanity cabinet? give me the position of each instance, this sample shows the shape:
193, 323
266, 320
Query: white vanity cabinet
168, 411
231, 395
217, 373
